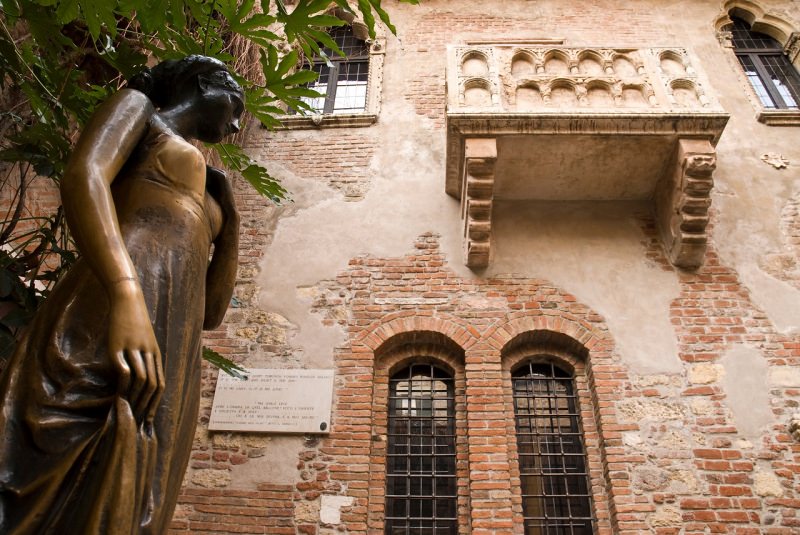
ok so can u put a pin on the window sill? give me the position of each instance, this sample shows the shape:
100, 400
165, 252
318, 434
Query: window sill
779, 117
341, 120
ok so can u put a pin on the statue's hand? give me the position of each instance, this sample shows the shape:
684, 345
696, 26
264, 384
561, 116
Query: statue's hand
134, 350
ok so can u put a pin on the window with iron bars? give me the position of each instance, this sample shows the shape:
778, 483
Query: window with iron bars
342, 80
773, 77
421, 489
553, 472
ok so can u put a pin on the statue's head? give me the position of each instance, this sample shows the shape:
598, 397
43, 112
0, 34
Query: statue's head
200, 84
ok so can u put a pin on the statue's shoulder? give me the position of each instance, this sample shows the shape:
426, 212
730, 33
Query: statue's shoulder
131, 103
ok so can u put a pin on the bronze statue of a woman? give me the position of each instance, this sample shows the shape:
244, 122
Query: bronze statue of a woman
100, 400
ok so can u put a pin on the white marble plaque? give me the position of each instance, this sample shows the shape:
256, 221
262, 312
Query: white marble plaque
277, 401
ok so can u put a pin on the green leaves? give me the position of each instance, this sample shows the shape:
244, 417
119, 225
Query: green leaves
235, 158
244, 22
284, 85
226, 365
25, 281
306, 25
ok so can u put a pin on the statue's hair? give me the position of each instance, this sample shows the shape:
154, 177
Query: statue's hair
168, 80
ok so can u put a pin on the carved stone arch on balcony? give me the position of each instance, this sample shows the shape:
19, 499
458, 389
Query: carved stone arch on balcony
523, 63
685, 93
608, 60
475, 63
564, 92
674, 63
556, 62
599, 93
590, 63
636, 95
527, 96
478, 93
624, 65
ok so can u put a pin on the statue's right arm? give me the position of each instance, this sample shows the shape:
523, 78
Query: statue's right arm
106, 143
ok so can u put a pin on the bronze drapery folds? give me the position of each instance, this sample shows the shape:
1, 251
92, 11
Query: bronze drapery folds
100, 400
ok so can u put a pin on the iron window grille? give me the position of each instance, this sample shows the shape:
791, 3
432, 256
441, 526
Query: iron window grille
421, 489
342, 80
552, 462
773, 77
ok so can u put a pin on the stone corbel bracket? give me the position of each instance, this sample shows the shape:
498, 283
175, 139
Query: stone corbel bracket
480, 157
683, 198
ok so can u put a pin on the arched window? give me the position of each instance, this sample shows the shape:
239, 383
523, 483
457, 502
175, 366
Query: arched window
769, 71
342, 80
421, 486
555, 483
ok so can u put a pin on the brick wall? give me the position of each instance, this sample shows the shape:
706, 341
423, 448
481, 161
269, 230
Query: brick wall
691, 474
267, 510
664, 451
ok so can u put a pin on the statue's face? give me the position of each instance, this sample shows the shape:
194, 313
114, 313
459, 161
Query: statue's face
219, 108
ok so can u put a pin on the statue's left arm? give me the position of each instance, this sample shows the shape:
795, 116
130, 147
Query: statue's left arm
221, 275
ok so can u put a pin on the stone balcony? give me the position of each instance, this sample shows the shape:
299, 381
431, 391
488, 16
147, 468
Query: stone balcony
577, 124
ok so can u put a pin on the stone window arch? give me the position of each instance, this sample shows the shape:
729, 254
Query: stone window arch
767, 50
769, 71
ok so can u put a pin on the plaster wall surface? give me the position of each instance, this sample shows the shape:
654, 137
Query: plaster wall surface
595, 251
746, 384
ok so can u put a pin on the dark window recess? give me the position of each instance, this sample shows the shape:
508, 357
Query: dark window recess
421, 453
552, 463
342, 80
770, 72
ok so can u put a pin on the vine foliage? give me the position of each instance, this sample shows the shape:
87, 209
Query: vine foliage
59, 59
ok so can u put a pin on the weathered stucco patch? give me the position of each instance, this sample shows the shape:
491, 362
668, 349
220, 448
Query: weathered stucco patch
209, 478
273, 461
634, 410
746, 389
331, 510
705, 373
784, 376
767, 484
665, 517
307, 511
595, 251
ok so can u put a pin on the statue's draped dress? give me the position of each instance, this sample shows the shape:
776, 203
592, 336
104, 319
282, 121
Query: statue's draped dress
71, 451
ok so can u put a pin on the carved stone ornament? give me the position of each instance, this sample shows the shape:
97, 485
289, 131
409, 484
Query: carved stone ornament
775, 160
725, 38
481, 156
792, 46
505, 105
682, 203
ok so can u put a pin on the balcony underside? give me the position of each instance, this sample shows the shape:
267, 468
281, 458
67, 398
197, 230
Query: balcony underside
665, 159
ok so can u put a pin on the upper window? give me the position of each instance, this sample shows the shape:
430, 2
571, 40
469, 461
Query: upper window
343, 80
421, 496
552, 461
769, 71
